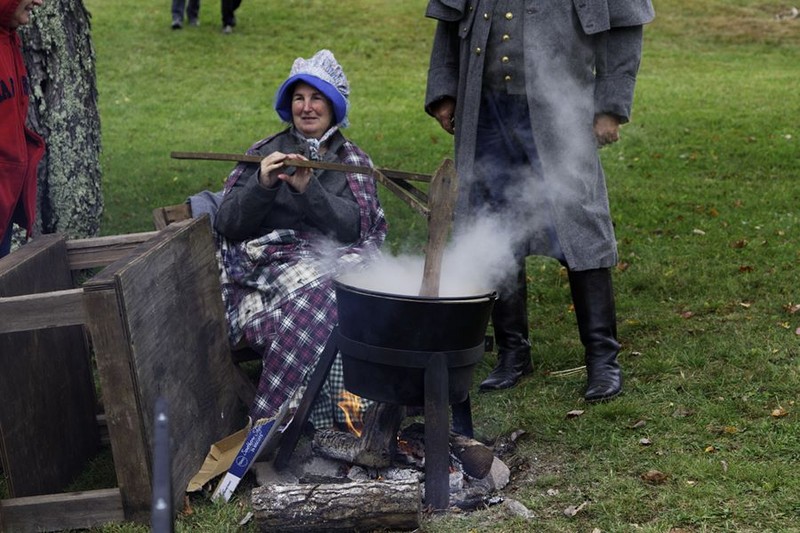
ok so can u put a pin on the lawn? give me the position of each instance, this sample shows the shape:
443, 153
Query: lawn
704, 187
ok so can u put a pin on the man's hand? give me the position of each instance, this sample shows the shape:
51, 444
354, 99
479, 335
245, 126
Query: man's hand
445, 112
606, 129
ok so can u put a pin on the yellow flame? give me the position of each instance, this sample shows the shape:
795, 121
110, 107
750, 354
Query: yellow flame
351, 407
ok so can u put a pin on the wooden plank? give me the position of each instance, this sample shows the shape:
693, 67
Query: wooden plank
164, 216
412, 196
47, 420
441, 203
129, 444
59, 512
103, 251
41, 311
175, 341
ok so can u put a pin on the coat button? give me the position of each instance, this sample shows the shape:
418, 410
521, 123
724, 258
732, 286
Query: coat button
478, 51
504, 59
507, 78
506, 37
486, 16
509, 15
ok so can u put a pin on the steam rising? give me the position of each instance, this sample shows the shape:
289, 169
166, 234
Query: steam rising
477, 261
480, 257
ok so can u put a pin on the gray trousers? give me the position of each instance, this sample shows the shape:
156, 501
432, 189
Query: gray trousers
192, 9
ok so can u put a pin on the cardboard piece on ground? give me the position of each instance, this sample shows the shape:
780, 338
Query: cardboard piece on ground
219, 459
261, 437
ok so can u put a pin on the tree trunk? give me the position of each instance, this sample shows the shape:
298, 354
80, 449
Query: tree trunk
60, 60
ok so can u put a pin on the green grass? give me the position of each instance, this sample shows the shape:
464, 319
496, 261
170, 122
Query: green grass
704, 192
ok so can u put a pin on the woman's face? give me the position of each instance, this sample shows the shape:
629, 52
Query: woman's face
312, 112
22, 15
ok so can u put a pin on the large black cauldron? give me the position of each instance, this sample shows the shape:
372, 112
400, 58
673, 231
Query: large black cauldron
389, 341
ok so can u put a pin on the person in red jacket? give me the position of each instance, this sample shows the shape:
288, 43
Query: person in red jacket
20, 148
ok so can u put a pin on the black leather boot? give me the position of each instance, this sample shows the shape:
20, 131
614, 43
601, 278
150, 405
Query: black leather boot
593, 297
510, 323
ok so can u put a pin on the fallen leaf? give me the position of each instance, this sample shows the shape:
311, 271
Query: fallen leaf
724, 466
745, 268
654, 477
687, 314
645, 442
797, 331
746, 305
187, 507
691, 482
575, 413
779, 412
792, 308
552, 492
698, 231
682, 412
622, 266
710, 449
730, 430
572, 510
741, 243
639, 424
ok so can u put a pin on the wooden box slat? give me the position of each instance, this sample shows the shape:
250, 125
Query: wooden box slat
48, 407
167, 338
59, 512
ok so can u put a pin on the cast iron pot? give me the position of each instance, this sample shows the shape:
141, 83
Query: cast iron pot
386, 341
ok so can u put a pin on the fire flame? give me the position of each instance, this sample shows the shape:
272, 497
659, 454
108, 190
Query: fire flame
350, 405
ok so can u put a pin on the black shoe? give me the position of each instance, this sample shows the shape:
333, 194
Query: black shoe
194, 23
227, 29
177, 23
509, 370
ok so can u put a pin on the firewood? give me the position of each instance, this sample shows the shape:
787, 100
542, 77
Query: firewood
359, 506
376, 446
476, 457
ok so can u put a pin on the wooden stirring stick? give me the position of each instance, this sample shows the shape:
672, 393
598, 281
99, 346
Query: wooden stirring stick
441, 204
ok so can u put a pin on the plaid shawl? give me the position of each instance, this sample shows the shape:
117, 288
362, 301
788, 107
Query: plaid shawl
279, 294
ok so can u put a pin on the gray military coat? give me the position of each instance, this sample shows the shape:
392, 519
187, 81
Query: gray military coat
581, 58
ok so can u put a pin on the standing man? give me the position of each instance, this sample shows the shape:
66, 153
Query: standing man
20, 148
531, 89
229, 8
190, 8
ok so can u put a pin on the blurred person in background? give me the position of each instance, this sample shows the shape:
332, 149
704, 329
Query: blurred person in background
229, 8
191, 8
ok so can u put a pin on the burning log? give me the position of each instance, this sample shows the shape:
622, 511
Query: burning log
475, 457
360, 506
376, 446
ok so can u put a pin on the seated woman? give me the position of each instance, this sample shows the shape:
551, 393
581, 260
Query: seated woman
285, 232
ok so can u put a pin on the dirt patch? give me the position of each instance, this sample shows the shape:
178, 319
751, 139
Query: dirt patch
765, 23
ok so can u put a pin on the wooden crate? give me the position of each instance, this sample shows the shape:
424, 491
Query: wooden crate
156, 323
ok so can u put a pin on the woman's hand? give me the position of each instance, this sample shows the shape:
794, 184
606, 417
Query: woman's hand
301, 176
277, 166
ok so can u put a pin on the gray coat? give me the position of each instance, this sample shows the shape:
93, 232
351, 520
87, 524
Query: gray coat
581, 58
